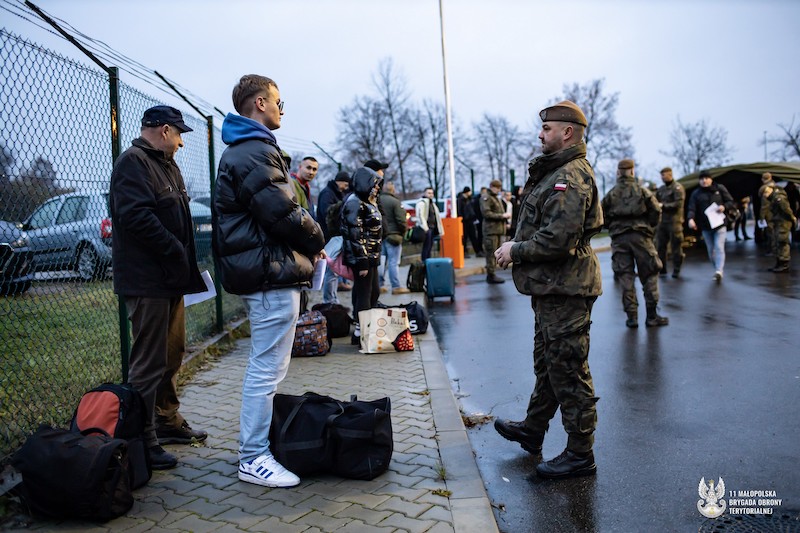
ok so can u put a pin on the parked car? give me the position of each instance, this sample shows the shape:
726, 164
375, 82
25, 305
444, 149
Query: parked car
16, 265
201, 218
411, 209
70, 232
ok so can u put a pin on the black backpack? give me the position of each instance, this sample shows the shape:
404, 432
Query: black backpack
338, 317
117, 410
71, 475
416, 277
332, 219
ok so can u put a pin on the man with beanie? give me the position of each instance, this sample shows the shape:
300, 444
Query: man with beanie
265, 246
701, 199
554, 263
631, 213
495, 218
331, 196
781, 221
466, 211
154, 263
669, 233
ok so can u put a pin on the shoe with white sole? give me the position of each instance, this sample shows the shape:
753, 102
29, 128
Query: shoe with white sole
265, 470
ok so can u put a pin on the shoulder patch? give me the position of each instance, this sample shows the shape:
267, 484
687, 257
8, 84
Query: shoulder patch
560, 186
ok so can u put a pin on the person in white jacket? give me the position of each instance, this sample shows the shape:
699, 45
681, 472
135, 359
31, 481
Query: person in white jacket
430, 219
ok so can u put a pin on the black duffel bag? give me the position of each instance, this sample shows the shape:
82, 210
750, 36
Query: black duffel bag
72, 475
338, 317
417, 316
313, 433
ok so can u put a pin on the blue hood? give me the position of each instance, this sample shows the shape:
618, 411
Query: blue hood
236, 128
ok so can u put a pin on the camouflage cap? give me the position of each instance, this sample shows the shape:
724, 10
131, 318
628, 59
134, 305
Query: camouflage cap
625, 164
565, 111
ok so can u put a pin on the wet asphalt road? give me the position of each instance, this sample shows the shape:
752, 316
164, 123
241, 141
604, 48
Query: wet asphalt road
714, 394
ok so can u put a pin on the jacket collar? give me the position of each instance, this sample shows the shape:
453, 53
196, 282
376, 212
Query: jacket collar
153, 152
544, 164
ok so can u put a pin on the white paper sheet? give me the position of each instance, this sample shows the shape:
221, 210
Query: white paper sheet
319, 275
715, 218
210, 292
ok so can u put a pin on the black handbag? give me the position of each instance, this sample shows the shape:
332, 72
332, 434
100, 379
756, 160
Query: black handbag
314, 433
415, 235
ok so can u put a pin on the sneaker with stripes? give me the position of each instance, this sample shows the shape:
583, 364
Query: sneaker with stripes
265, 470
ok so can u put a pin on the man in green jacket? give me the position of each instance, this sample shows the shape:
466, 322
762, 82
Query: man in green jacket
554, 263
494, 227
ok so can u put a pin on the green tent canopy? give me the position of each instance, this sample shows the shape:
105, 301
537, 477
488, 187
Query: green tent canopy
745, 180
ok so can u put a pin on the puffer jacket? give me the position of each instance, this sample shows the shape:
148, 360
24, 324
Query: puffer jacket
262, 238
702, 197
361, 222
153, 250
559, 214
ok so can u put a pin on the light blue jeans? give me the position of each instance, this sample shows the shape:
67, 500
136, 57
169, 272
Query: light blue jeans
715, 244
392, 252
330, 286
273, 318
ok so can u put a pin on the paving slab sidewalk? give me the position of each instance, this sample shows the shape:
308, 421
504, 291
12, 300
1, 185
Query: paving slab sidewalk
433, 484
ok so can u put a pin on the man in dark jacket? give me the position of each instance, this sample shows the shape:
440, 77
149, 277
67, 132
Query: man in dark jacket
154, 264
631, 213
333, 194
266, 246
466, 210
714, 235
554, 263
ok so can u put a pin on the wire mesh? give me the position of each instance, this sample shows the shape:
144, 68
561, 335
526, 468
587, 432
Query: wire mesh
59, 325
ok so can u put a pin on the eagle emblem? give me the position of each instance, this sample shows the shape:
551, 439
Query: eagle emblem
711, 505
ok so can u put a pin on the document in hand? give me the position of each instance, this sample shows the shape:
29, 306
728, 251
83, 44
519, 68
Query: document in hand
210, 292
715, 217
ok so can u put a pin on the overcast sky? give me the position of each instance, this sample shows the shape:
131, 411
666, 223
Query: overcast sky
731, 62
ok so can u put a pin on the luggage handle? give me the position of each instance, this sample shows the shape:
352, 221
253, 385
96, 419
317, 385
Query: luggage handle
296, 409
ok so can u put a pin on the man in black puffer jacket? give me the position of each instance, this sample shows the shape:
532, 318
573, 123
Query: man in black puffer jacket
265, 246
362, 231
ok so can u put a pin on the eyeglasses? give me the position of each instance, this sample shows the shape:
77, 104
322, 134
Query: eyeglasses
279, 103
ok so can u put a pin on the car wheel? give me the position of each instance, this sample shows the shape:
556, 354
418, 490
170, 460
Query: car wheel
88, 266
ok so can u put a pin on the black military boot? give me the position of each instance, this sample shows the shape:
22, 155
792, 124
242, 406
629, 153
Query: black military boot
663, 271
654, 319
492, 278
568, 464
780, 267
633, 320
531, 441
676, 273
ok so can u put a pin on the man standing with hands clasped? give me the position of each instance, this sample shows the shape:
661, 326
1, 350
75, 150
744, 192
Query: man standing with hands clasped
554, 263
265, 245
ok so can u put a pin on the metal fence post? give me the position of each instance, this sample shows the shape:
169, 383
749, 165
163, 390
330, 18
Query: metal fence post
212, 173
116, 150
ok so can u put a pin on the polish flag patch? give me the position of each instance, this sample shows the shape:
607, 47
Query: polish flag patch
560, 187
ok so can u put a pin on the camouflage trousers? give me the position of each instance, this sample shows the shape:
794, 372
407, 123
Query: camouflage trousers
670, 235
781, 234
561, 365
490, 244
632, 253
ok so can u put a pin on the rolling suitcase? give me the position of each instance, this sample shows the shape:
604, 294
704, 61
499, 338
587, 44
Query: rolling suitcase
440, 277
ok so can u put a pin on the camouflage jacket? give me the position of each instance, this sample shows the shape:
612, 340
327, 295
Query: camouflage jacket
672, 196
492, 210
779, 207
630, 207
559, 214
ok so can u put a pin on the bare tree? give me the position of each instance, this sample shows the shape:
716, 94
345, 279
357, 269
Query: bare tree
499, 143
430, 144
699, 145
394, 95
363, 132
606, 140
788, 142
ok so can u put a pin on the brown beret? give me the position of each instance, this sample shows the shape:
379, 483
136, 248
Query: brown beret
625, 164
565, 111
496, 183
766, 177
665, 170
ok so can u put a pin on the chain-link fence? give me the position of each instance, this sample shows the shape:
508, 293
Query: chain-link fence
59, 318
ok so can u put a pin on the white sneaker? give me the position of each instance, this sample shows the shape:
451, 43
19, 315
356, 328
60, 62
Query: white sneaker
718, 276
265, 470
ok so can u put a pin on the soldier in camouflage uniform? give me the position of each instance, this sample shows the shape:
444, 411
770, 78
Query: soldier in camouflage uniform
554, 263
631, 213
781, 221
672, 196
494, 227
